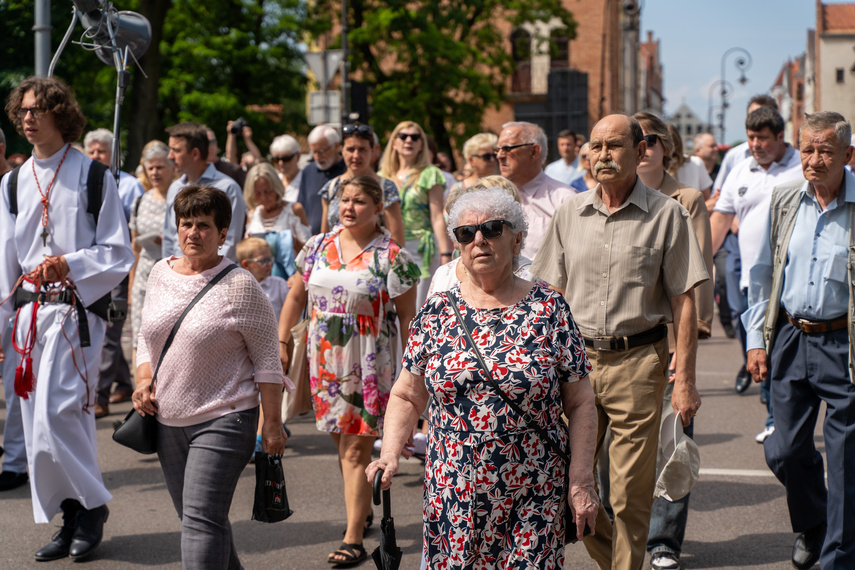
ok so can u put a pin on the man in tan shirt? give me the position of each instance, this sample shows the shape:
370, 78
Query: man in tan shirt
627, 260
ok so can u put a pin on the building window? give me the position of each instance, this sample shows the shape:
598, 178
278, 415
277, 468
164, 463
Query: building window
559, 48
521, 45
688, 129
840, 75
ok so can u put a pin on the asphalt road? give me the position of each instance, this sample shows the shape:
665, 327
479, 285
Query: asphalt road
738, 516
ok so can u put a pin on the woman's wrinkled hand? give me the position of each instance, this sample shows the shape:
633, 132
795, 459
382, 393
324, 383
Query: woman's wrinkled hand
389, 464
144, 398
584, 504
273, 437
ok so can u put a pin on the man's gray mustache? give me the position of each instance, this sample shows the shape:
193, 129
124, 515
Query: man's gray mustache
607, 164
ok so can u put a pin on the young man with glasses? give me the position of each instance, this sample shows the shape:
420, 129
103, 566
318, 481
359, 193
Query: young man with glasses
49, 238
521, 153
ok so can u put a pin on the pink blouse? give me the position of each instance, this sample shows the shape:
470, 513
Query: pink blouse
226, 344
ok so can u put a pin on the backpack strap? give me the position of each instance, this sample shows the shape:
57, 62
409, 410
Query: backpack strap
95, 188
13, 190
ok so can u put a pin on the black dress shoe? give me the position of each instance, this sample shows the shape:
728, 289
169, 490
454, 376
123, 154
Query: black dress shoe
61, 543
10, 480
743, 380
807, 547
90, 530
729, 332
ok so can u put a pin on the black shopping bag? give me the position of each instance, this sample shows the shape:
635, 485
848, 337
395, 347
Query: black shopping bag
271, 500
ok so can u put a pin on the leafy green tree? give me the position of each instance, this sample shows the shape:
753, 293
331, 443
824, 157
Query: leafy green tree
208, 62
441, 64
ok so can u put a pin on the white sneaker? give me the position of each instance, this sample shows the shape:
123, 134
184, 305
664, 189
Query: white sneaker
665, 561
764, 435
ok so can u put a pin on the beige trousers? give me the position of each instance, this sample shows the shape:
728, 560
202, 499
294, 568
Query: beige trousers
628, 387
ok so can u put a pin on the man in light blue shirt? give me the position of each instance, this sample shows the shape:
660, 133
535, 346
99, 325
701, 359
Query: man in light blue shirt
799, 334
565, 169
188, 149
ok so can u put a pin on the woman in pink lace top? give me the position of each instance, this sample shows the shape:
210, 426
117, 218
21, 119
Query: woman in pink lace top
223, 356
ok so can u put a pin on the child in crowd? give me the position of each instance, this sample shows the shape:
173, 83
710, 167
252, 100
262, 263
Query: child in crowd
255, 256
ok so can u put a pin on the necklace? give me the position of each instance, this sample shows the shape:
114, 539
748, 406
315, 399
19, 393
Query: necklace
46, 194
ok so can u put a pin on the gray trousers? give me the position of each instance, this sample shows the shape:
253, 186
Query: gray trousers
202, 465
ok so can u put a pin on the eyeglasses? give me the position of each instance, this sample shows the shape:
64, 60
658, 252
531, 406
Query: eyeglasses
509, 147
364, 131
490, 230
261, 260
651, 140
415, 137
486, 157
321, 152
37, 112
284, 157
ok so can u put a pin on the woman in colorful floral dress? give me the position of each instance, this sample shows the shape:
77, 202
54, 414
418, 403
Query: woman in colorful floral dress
421, 187
495, 491
357, 281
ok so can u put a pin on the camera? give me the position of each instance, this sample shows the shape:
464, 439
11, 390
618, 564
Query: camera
238, 125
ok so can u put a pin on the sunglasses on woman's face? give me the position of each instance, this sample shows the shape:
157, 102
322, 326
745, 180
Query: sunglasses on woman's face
415, 137
487, 157
283, 157
490, 230
651, 139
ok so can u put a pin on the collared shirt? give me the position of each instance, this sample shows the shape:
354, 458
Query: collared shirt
746, 195
621, 269
210, 177
540, 197
731, 158
815, 277
563, 172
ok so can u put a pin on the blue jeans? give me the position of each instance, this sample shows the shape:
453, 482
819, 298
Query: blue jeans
668, 519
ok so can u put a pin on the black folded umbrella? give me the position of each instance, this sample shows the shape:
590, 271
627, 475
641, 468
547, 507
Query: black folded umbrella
387, 556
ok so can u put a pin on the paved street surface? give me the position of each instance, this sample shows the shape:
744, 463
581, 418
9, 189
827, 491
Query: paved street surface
738, 514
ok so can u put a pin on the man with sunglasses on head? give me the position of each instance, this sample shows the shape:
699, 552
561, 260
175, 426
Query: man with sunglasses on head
626, 258
521, 151
327, 163
566, 169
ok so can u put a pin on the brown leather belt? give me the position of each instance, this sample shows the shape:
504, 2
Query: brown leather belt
813, 327
627, 342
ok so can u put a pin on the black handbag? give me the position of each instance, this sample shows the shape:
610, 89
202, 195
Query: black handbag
271, 499
140, 432
569, 520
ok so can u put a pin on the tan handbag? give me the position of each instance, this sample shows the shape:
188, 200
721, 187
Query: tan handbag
300, 400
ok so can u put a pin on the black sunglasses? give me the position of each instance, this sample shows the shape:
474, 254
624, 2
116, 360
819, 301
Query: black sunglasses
284, 157
509, 147
490, 230
364, 131
412, 136
651, 140
486, 157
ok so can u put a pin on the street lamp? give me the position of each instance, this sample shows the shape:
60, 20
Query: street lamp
742, 62
726, 87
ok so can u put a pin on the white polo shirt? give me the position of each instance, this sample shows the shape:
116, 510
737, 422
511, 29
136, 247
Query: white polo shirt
746, 193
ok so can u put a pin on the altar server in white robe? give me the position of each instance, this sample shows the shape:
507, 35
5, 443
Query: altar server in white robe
53, 239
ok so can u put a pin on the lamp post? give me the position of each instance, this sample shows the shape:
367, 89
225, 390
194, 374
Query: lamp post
742, 62
725, 86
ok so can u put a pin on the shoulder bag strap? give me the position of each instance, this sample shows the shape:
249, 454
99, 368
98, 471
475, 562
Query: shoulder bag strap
495, 385
195, 300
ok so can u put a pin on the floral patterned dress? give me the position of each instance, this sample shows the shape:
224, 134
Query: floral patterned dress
494, 491
352, 332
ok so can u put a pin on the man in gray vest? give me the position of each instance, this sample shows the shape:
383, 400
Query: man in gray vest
800, 330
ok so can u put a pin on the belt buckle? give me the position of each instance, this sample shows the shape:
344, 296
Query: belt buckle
602, 343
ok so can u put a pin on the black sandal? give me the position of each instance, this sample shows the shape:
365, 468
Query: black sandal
369, 520
351, 554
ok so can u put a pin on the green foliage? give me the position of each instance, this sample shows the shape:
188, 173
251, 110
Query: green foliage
214, 59
441, 64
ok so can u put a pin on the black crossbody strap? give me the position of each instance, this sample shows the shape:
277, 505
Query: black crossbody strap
195, 300
498, 389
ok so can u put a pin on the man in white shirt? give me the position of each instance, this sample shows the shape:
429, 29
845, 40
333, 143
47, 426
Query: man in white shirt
188, 149
48, 237
745, 196
565, 169
520, 151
